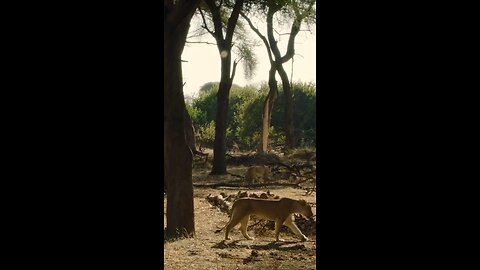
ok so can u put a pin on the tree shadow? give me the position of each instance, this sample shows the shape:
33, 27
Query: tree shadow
223, 244
281, 246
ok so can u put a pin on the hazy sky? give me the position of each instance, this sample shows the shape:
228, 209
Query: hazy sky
204, 60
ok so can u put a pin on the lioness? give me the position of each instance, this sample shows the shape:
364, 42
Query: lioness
281, 211
257, 171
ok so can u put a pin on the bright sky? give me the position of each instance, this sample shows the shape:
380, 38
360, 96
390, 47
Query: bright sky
204, 60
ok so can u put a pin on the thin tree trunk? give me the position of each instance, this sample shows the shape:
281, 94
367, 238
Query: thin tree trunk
178, 156
272, 85
279, 60
287, 93
268, 108
262, 148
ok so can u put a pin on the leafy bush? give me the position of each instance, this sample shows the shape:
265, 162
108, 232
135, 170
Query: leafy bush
245, 115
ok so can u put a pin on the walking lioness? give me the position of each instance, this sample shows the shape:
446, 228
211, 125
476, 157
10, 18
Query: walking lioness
281, 211
257, 171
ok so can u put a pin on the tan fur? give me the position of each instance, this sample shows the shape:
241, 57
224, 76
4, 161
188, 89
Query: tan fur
281, 211
257, 172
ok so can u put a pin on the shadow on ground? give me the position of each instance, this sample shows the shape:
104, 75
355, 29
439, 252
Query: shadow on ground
281, 246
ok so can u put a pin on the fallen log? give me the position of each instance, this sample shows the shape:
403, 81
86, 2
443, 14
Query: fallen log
242, 185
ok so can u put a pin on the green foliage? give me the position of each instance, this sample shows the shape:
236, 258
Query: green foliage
304, 97
206, 133
245, 115
249, 118
206, 105
210, 86
246, 51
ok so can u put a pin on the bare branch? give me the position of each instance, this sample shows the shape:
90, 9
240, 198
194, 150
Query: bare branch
281, 34
204, 42
289, 33
262, 37
197, 35
205, 23
235, 63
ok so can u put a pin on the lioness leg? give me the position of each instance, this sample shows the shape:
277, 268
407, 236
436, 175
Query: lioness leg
243, 227
234, 220
290, 223
278, 226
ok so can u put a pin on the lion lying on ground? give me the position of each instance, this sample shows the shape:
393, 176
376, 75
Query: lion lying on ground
281, 211
257, 171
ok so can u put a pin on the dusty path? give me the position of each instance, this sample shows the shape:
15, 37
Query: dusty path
209, 251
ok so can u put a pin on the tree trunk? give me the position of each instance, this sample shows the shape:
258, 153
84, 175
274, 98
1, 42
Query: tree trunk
268, 108
178, 161
224, 45
165, 188
287, 93
279, 60
220, 145
272, 83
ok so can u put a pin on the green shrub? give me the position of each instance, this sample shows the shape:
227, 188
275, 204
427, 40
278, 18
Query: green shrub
245, 115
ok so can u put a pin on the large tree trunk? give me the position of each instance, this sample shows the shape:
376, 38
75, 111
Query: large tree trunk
224, 45
191, 142
268, 108
220, 146
178, 161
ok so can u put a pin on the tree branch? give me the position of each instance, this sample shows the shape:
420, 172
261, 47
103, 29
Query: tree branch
232, 21
297, 22
197, 35
217, 20
204, 42
205, 23
271, 38
291, 47
235, 63
262, 37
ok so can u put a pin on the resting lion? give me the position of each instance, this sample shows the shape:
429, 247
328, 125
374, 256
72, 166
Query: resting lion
257, 171
281, 211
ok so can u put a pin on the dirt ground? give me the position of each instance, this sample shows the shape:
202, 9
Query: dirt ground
209, 250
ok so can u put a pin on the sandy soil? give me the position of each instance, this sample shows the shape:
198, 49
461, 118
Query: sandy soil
208, 250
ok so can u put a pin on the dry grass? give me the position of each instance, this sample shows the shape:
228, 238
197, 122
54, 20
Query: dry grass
208, 250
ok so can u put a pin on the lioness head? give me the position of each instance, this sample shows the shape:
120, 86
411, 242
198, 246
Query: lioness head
305, 209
